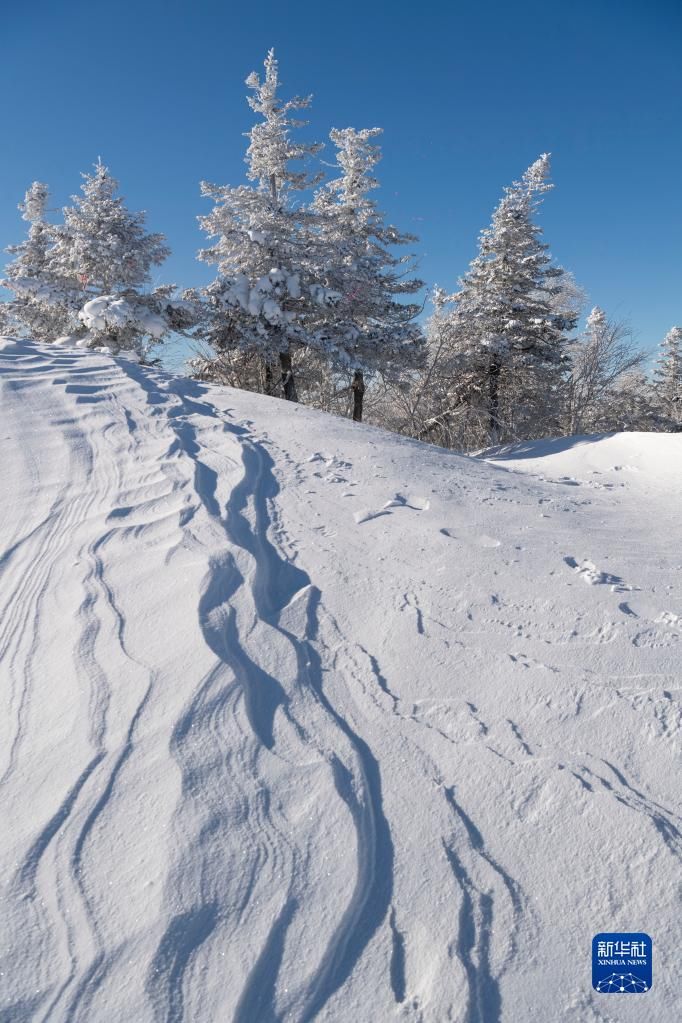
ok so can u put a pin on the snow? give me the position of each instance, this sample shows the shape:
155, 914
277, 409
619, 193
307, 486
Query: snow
44, 292
327, 298
644, 461
109, 312
258, 300
66, 341
302, 720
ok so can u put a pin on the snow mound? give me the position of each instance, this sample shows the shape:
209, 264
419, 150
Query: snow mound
302, 720
620, 458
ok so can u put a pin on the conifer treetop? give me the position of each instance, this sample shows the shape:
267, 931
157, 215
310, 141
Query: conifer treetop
103, 242
35, 202
596, 319
271, 148
367, 327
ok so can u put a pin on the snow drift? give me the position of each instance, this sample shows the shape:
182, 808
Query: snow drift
306, 721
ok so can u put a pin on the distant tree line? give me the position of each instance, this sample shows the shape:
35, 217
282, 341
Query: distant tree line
313, 300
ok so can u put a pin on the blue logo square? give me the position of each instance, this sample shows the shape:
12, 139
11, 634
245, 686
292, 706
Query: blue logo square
621, 963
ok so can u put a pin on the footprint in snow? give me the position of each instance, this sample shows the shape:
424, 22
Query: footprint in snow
669, 618
655, 638
523, 661
330, 477
331, 461
331, 464
595, 577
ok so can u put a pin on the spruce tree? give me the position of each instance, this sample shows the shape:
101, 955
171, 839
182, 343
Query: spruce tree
367, 327
265, 300
88, 277
105, 249
102, 244
510, 335
39, 307
668, 377
599, 361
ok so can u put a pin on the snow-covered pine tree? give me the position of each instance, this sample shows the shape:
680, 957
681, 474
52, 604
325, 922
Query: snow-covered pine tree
668, 377
102, 242
32, 277
103, 250
264, 299
444, 404
510, 334
629, 404
598, 359
367, 327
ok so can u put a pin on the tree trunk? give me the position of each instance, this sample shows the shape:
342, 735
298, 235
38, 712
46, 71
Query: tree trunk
269, 387
288, 382
494, 401
358, 389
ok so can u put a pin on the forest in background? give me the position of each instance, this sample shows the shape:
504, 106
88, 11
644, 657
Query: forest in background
316, 299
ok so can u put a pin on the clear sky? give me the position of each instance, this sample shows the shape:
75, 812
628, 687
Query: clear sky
468, 95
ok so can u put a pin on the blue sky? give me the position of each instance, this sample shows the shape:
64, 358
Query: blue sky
468, 95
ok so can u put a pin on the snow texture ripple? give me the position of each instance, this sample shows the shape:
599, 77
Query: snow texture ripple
304, 721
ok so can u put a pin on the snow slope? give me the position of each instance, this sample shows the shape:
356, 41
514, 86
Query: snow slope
302, 720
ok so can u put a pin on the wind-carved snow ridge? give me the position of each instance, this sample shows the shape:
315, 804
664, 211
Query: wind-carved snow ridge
275, 584
272, 584
374, 884
98, 613
265, 756
477, 917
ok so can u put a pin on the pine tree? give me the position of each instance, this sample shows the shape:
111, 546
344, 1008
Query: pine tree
629, 404
264, 300
367, 327
33, 278
510, 334
599, 361
668, 377
105, 248
88, 276
445, 405
102, 244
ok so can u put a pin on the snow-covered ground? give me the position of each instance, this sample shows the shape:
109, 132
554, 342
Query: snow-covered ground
302, 720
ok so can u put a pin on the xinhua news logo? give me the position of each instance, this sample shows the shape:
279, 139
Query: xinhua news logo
621, 963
